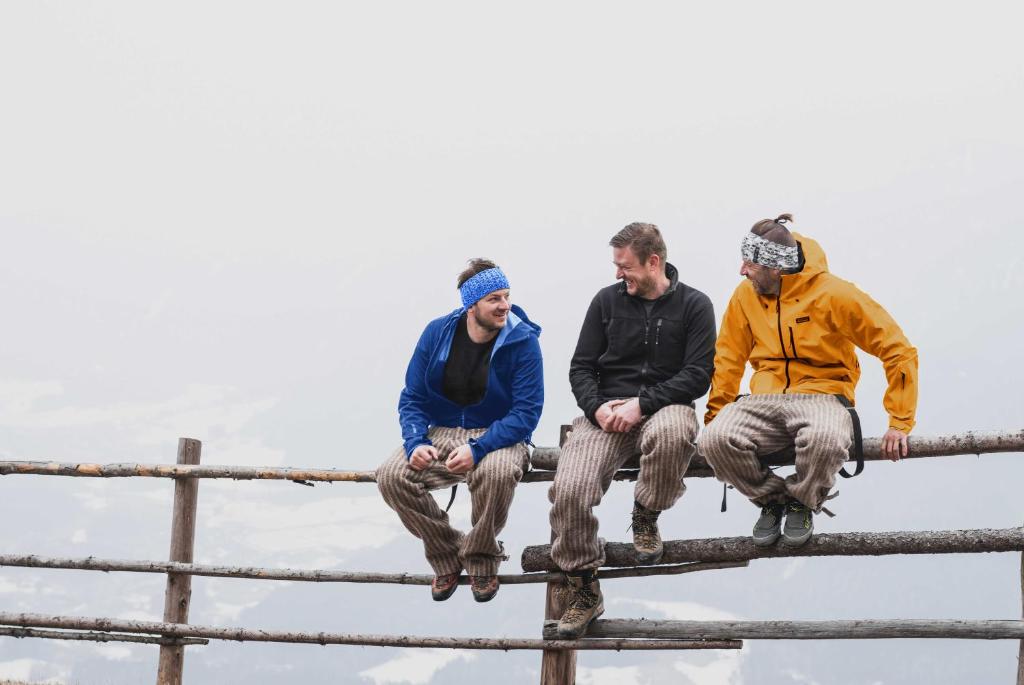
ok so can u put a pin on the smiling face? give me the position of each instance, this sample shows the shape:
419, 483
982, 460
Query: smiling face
641, 278
765, 281
491, 311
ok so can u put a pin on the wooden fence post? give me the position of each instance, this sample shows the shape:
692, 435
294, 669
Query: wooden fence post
179, 586
1020, 653
557, 666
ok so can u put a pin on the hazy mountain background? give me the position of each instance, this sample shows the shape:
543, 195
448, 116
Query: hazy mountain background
230, 221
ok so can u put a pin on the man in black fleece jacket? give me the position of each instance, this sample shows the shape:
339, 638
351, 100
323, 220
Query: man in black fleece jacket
645, 353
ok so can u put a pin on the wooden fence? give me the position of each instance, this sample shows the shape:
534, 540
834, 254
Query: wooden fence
174, 633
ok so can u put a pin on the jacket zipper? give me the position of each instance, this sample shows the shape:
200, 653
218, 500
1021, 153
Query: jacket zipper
657, 332
778, 315
647, 330
792, 343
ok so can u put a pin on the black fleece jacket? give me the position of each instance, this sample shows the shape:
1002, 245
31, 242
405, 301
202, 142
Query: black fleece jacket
665, 358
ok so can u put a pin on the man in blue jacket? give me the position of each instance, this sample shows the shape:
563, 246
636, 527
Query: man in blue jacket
473, 395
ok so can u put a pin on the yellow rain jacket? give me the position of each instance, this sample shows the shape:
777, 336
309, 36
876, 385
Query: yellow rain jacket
802, 341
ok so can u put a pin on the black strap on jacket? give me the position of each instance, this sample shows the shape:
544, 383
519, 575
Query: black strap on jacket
452, 498
858, 440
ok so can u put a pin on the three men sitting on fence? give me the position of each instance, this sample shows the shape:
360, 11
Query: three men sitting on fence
644, 355
473, 395
797, 325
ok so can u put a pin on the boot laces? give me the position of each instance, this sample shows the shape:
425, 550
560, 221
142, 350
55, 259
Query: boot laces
583, 599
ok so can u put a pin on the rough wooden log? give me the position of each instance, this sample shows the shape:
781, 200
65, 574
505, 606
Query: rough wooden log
538, 557
545, 459
971, 442
52, 468
801, 630
258, 635
322, 576
179, 585
99, 637
297, 475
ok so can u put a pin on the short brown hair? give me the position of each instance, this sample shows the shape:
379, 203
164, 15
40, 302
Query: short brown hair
643, 239
476, 265
775, 231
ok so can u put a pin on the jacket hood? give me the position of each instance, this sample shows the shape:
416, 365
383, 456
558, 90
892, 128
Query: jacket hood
517, 328
813, 263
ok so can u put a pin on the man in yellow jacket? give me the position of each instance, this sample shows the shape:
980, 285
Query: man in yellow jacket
797, 325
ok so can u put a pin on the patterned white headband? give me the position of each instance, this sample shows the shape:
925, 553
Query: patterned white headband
757, 250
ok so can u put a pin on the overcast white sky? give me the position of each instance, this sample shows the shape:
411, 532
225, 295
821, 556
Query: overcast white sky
230, 221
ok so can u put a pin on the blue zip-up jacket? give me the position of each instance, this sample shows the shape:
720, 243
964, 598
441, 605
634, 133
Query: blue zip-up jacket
512, 404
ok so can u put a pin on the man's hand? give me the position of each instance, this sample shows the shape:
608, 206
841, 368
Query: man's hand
894, 444
422, 456
604, 414
460, 460
626, 416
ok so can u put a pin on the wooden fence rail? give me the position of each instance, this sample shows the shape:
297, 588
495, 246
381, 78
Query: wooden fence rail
323, 576
544, 459
178, 630
802, 630
8, 631
538, 557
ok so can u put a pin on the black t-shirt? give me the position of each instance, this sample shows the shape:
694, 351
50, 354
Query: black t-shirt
465, 373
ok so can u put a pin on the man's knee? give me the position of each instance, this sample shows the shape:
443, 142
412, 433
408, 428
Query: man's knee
494, 470
824, 441
713, 442
674, 425
393, 475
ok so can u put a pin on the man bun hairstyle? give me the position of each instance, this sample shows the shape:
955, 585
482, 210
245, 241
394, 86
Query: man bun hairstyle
775, 230
476, 265
643, 239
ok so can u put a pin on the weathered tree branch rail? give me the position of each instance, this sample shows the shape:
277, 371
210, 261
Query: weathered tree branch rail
802, 630
99, 637
538, 557
971, 442
544, 458
179, 630
321, 576
297, 475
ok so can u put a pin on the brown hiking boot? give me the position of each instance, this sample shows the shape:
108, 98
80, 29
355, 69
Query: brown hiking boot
442, 587
585, 604
484, 587
646, 538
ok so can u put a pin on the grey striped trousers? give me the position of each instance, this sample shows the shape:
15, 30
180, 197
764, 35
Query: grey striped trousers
590, 459
818, 426
492, 482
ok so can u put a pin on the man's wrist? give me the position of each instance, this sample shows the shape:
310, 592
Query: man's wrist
477, 451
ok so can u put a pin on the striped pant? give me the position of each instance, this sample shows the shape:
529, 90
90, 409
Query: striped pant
590, 459
492, 482
818, 426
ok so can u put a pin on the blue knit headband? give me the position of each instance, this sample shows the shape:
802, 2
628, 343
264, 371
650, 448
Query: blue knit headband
481, 285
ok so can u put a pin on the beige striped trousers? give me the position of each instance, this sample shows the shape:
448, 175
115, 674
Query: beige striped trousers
589, 460
491, 483
818, 426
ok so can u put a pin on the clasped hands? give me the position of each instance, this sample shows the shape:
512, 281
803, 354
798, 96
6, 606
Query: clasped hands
619, 416
460, 459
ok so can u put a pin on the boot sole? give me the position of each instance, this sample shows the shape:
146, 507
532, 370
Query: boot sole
767, 541
648, 557
790, 541
485, 597
442, 596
